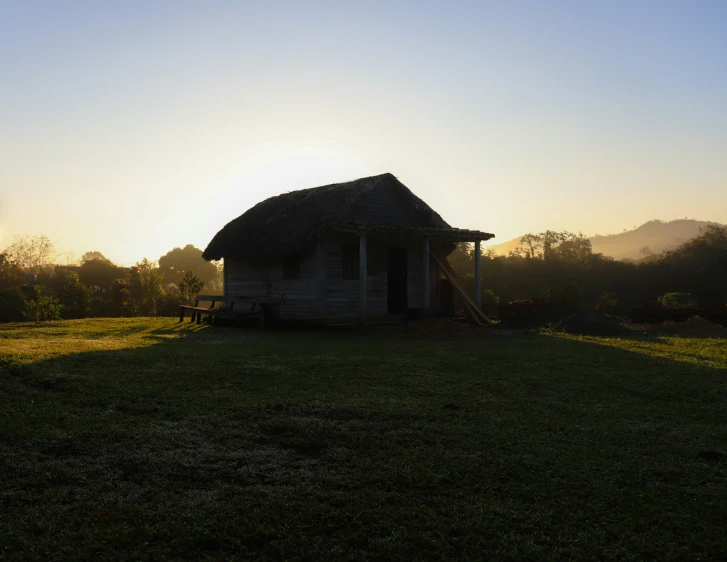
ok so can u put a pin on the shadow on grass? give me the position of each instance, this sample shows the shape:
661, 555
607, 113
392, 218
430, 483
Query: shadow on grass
233, 443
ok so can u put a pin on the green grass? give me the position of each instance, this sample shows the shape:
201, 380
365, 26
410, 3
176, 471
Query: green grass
144, 439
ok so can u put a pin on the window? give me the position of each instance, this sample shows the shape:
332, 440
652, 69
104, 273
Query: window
350, 255
291, 267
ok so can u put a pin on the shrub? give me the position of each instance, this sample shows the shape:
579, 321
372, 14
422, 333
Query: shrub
607, 303
12, 305
678, 300
568, 297
74, 296
168, 304
43, 307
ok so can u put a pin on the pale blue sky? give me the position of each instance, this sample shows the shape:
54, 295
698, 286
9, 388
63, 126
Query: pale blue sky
132, 127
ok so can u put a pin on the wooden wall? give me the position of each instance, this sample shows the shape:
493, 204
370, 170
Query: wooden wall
245, 280
343, 297
301, 295
321, 290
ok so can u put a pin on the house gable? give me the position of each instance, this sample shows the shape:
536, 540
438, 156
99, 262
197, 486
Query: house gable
388, 203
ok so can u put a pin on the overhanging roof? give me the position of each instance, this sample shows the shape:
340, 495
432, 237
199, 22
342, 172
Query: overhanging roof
448, 234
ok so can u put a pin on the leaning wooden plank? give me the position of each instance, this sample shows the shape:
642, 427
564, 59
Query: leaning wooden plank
471, 314
470, 310
452, 276
468, 303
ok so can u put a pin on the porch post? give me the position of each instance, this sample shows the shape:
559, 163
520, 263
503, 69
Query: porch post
427, 292
478, 282
362, 274
321, 278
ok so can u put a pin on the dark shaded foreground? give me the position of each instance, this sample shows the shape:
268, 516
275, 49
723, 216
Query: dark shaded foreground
223, 443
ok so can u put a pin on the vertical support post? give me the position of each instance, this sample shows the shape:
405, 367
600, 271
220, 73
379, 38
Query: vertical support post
362, 274
427, 286
224, 277
321, 278
478, 281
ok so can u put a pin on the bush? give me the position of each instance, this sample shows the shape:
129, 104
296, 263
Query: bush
489, 302
43, 307
567, 297
168, 304
607, 303
74, 296
12, 305
678, 300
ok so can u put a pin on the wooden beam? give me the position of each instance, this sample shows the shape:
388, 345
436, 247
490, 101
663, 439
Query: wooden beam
321, 278
450, 274
427, 286
224, 277
478, 281
362, 274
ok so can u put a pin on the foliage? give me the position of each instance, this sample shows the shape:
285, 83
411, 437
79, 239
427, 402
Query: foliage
74, 295
45, 306
93, 255
678, 300
99, 272
124, 302
32, 252
146, 287
142, 439
696, 267
190, 287
174, 264
607, 303
567, 297
168, 304
11, 273
12, 305
550, 245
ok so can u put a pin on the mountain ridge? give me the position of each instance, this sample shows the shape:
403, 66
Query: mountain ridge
655, 236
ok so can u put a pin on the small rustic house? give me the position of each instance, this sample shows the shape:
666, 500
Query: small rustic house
364, 248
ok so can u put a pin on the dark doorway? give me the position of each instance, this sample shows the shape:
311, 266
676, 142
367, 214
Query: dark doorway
446, 297
396, 280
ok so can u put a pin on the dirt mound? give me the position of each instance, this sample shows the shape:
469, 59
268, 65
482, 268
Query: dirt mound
592, 324
530, 319
437, 327
694, 326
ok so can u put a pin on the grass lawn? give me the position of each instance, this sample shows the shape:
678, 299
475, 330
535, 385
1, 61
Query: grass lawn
146, 439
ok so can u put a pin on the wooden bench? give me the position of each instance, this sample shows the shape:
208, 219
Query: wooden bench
197, 310
235, 308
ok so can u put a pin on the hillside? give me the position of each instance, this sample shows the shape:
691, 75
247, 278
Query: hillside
655, 235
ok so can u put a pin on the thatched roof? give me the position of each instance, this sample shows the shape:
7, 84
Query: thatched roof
292, 222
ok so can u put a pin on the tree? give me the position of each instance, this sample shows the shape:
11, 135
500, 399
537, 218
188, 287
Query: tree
11, 274
146, 286
94, 255
174, 264
73, 295
190, 287
530, 246
32, 253
101, 272
574, 248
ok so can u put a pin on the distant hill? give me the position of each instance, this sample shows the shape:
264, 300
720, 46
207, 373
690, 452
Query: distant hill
655, 235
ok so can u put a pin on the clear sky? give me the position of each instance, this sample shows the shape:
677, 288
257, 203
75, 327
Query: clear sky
132, 127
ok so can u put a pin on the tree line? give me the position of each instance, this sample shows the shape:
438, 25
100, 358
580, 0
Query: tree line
32, 287
560, 267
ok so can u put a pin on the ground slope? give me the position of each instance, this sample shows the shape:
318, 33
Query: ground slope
144, 439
